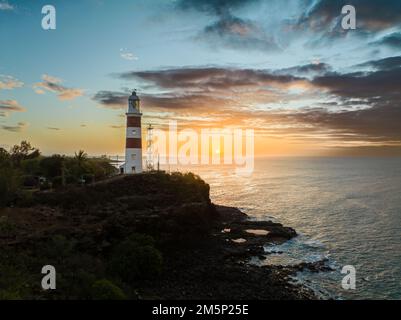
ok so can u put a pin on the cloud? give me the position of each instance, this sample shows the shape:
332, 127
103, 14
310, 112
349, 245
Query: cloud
117, 126
383, 64
127, 55
392, 40
209, 78
378, 85
17, 128
380, 123
4, 5
7, 106
374, 96
53, 84
190, 102
229, 30
215, 7
372, 15
111, 99
202, 87
307, 102
315, 22
53, 128
9, 82
236, 33
119, 100
312, 69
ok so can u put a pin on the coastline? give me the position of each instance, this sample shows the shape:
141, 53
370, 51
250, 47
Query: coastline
205, 248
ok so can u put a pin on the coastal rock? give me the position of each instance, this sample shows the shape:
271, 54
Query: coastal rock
318, 266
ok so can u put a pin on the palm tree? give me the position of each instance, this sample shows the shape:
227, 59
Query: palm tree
81, 157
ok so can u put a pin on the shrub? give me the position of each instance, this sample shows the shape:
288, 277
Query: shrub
7, 227
52, 166
30, 181
46, 185
57, 182
136, 258
9, 295
100, 168
59, 248
89, 178
24, 198
10, 182
15, 280
106, 290
32, 166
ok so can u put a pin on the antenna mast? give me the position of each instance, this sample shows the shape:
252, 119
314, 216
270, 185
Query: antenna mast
149, 148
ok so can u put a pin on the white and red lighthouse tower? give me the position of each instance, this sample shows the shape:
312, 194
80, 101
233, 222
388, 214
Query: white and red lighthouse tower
133, 146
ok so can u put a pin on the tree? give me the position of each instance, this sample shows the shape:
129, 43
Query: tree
100, 168
81, 158
22, 152
32, 166
4, 158
52, 166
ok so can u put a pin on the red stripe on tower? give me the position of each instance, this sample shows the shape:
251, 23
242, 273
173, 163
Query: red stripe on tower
134, 143
134, 121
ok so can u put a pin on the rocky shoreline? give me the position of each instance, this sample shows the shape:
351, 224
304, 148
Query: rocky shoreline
219, 269
191, 248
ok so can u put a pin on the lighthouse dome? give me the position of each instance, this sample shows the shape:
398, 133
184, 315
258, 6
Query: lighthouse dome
134, 103
133, 96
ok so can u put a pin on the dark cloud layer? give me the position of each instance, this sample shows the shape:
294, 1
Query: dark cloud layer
371, 14
236, 33
312, 69
383, 84
363, 105
111, 99
209, 78
392, 40
199, 88
229, 30
215, 7
383, 64
379, 91
321, 17
380, 124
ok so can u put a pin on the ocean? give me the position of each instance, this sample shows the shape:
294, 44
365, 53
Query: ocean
345, 210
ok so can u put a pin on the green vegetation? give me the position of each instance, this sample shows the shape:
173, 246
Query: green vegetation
106, 290
136, 258
108, 240
23, 168
80, 275
7, 227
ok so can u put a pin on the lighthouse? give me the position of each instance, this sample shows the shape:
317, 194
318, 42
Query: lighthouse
133, 145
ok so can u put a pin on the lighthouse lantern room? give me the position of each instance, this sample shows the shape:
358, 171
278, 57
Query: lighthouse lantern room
133, 146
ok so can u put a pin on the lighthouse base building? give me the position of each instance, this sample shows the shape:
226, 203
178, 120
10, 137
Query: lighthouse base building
133, 145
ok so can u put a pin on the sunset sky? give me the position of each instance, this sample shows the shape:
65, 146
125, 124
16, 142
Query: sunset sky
284, 68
